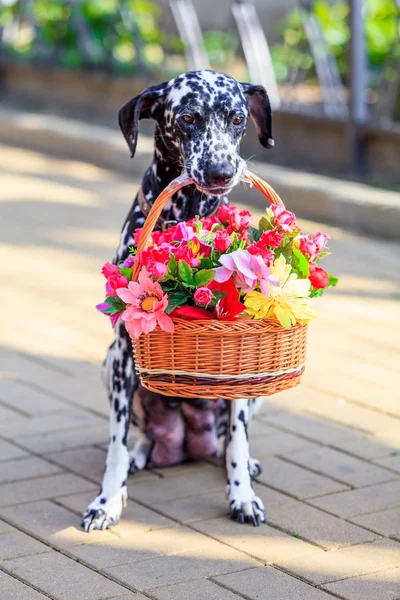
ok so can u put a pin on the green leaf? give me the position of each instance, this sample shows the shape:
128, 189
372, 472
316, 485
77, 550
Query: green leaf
264, 224
333, 281
115, 304
176, 299
173, 265
316, 293
216, 297
185, 272
253, 234
126, 272
204, 277
301, 263
206, 263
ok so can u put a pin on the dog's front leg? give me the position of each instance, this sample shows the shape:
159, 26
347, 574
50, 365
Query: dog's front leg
106, 508
244, 505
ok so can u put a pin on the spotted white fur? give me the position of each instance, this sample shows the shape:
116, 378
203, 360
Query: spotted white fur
210, 141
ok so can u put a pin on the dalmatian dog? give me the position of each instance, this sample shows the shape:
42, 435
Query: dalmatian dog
200, 119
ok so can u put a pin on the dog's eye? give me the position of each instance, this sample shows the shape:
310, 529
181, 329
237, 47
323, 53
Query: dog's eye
237, 120
188, 118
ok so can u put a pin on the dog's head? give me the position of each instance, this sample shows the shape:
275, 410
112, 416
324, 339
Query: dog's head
201, 117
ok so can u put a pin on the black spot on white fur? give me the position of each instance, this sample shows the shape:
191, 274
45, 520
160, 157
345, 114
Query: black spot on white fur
214, 98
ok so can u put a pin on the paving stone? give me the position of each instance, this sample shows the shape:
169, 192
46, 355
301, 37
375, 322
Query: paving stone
12, 589
367, 448
311, 427
17, 544
295, 480
28, 400
133, 516
64, 578
264, 542
70, 389
43, 424
391, 462
53, 523
386, 522
87, 462
48, 442
384, 585
25, 468
350, 470
195, 508
195, 590
41, 488
348, 562
191, 484
8, 416
139, 544
260, 428
353, 415
279, 443
267, 583
358, 502
202, 562
316, 526
5, 527
8, 451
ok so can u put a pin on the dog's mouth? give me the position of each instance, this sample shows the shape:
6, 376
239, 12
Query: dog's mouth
215, 191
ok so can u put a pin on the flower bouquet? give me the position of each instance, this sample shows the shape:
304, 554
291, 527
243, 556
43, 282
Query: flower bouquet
217, 308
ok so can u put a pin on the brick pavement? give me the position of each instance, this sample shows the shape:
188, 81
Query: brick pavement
330, 448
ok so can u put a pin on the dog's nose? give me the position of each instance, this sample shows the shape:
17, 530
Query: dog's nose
220, 174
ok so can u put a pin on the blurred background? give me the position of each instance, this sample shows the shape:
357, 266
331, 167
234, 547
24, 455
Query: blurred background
331, 67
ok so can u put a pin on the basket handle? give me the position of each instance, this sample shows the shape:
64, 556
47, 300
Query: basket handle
171, 189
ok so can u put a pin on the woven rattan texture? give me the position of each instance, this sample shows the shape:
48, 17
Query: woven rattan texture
218, 359
256, 358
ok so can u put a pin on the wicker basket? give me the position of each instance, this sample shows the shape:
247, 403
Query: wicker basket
218, 359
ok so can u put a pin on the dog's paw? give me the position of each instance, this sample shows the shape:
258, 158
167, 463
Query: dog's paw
138, 461
246, 507
103, 513
255, 468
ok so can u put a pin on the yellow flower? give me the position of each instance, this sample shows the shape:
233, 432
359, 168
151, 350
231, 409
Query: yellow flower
288, 302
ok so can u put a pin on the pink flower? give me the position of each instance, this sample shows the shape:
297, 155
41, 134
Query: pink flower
224, 211
203, 296
155, 259
268, 238
320, 240
283, 219
307, 246
239, 221
222, 241
146, 306
183, 233
128, 263
271, 238
136, 235
248, 270
114, 278
319, 278
185, 253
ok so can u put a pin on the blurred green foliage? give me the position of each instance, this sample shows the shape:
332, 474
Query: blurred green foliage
221, 47
90, 33
381, 32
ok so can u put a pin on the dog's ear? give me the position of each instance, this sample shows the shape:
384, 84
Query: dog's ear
144, 106
260, 111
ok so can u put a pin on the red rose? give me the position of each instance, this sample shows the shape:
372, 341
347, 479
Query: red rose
203, 296
319, 278
224, 211
271, 238
239, 221
222, 241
